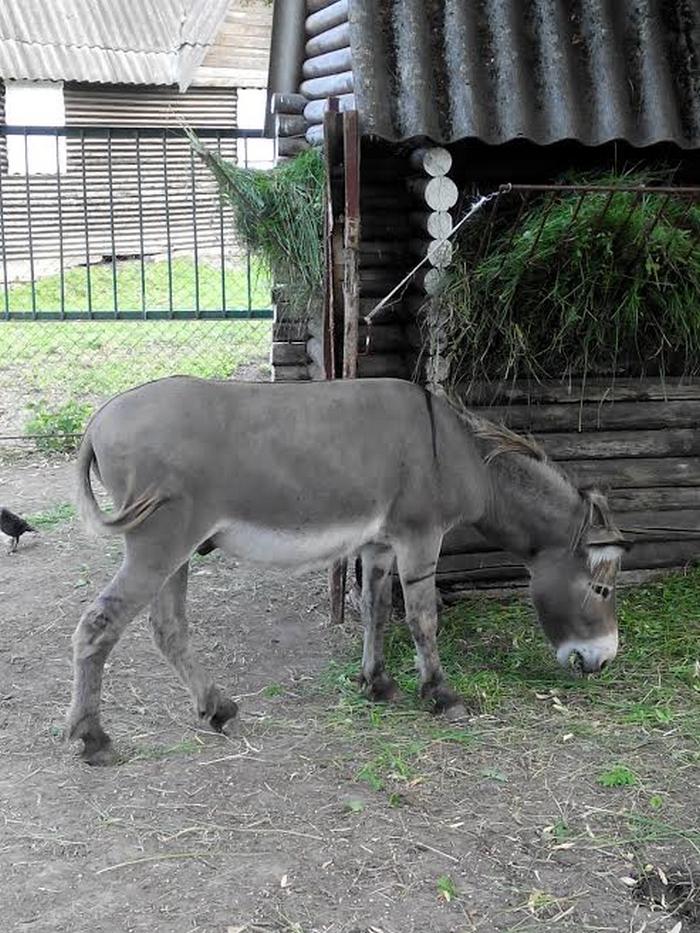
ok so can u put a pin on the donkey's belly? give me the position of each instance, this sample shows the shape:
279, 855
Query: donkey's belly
299, 548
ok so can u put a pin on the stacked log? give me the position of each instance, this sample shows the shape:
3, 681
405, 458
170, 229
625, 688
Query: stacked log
288, 358
434, 195
290, 125
327, 70
637, 438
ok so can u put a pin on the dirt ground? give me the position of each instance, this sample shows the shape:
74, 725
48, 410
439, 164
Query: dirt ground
275, 828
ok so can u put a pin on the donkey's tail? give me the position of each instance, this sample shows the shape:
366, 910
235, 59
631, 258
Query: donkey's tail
129, 516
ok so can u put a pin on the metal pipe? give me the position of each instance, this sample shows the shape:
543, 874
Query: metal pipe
286, 54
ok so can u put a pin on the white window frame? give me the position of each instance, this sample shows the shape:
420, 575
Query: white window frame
35, 103
250, 115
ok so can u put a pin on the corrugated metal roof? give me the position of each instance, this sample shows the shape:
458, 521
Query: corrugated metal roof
108, 41
543, 70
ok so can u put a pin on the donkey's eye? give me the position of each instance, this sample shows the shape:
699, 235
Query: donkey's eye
600, 589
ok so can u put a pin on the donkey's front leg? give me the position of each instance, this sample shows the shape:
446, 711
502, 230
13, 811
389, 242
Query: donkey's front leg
377, 564
417, 565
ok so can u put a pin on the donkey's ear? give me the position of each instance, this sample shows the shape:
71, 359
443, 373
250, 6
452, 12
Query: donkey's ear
604, 546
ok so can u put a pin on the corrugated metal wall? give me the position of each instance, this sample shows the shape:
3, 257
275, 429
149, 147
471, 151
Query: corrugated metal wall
103, 179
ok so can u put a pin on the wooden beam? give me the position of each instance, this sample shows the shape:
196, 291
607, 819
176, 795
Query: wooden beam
329, 63
288, 103
327, 17
433, 160
336, 38
332, 86
314, 109
440, 194
437, 224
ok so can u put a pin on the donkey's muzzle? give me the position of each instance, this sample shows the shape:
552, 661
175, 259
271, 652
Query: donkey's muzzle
589, 656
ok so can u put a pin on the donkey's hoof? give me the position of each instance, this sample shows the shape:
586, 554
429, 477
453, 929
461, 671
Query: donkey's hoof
226, 711
98, 753
456, 713
380, 688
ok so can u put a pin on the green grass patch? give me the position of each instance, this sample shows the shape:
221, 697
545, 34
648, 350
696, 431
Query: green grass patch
497, 657
57, 515
150, 287
62, 370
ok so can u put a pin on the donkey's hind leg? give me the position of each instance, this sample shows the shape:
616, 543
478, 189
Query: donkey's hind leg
375, 608
169, 627
98, 631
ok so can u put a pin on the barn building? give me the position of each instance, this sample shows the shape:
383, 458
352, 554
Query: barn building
514, 92
118, 80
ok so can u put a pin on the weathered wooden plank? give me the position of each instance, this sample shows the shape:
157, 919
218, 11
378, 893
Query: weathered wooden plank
336, 38
327, 17
384, 338
658, 498
640, 472
330, 63
297, 373
467, 540
290, 331
676, 442
499, 565
592, 390
288, 354
597, 416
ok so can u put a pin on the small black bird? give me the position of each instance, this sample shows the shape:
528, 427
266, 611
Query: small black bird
14, 526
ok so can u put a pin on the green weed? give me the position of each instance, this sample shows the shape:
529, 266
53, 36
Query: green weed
56, 515
446, 888
618, 776
272, 690
58, 429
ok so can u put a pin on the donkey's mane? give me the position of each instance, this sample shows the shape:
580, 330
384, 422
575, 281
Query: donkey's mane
508, 442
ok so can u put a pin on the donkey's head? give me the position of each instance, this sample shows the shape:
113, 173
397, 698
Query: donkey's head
573, 588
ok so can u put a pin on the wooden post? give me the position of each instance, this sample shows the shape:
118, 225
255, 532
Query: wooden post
333, 327
351, 272
351, 307
332, 129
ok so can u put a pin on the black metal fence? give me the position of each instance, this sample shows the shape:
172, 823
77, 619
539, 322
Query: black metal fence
119, 263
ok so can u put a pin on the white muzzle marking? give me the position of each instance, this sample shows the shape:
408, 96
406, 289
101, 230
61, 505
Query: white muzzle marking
594, 652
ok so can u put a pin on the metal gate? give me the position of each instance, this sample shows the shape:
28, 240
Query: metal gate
119, 263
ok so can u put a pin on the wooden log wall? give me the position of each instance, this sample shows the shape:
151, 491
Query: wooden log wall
639, 439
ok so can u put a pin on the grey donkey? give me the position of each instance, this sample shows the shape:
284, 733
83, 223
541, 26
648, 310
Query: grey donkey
297, 476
